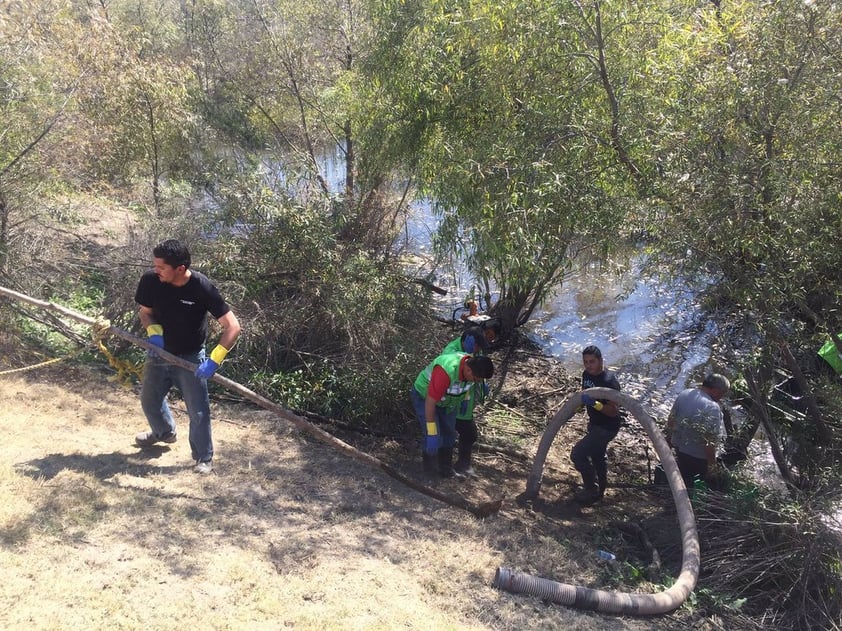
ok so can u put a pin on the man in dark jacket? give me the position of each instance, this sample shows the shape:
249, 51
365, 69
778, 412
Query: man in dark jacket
588, 455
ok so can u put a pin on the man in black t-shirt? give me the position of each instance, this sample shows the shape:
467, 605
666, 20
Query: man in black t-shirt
174, 303
588, 455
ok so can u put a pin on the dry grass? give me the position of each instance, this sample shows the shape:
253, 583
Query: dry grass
286, 533
780, 558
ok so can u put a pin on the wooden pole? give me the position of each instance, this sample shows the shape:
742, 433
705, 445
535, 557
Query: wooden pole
480, 510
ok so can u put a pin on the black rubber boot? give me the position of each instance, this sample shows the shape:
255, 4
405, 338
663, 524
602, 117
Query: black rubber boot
590, 491
602, 480
463, 466
467, 430
446, 462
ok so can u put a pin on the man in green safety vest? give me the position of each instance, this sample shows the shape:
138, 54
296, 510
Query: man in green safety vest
472, 341
436, 395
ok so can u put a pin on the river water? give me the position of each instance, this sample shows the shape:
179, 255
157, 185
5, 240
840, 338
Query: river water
654, 336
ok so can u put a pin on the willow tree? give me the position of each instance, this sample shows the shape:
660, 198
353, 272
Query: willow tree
749, 148
136, 97
38, 82
301, 202
281, 75
517, 116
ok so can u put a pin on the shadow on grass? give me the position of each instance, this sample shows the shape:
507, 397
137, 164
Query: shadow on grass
289, 504
101, 466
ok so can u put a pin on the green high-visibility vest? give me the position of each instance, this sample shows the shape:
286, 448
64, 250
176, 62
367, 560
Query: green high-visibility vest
465, 412
454, 346
457, 390
829, 353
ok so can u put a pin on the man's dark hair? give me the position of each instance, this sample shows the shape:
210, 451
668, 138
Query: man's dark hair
495, 324
478, 335
592, 350
173, 252
481, 366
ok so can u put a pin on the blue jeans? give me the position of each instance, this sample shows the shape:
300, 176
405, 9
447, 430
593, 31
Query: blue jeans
445, 419
158, 378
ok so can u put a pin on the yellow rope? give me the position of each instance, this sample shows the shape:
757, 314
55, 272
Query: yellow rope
32, 367
125, 369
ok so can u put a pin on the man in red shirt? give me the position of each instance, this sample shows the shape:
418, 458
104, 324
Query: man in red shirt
436, 395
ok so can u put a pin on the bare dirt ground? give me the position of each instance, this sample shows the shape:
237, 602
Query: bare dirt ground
290, 533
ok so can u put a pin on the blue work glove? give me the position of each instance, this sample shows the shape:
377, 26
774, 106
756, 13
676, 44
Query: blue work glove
594, 403
485, 389
470, 344
432, 444
210, 365
206, 369
155, 334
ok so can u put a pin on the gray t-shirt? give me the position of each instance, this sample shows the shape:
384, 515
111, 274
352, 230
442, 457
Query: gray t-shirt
698, 422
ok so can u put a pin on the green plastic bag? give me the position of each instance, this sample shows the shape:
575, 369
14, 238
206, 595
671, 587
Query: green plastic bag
831, 356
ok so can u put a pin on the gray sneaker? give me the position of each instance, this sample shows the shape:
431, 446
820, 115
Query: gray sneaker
147, 439
203, 467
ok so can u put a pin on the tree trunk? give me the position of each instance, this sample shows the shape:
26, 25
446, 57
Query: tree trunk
760, 409
823, 434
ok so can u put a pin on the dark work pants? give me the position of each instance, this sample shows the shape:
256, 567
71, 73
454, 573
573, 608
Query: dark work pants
467, 430
691, 468
588, 455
